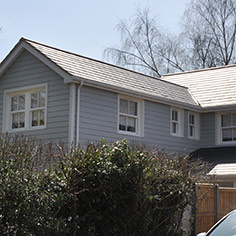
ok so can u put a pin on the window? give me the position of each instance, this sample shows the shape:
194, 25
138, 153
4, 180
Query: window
193, 125
25, 109
228, 127
176, 122
129, 120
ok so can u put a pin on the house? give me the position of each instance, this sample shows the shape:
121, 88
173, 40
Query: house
60, 96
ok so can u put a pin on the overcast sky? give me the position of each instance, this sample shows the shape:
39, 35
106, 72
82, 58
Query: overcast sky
84, 27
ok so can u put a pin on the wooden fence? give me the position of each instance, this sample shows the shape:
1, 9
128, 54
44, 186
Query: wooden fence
213, 202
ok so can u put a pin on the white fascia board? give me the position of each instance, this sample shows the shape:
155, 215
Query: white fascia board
140, 95
16, 51
10, 58
222, 108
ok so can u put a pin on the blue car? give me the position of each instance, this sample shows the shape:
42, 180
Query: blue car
224, 227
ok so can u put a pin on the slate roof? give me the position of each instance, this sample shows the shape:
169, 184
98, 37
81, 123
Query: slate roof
106, 74
211, 87
224, 169
216, 155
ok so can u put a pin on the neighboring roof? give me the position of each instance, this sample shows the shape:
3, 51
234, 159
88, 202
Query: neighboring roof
211, 87
104, 74
224, 170
216, 155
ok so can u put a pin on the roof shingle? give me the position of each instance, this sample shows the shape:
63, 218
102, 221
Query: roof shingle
104, 73
211, 87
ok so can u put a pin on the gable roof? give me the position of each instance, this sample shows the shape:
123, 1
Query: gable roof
201, 90
97, 73
211, 87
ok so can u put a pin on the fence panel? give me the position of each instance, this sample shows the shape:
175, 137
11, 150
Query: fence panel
227, 200
206, 206
213, 203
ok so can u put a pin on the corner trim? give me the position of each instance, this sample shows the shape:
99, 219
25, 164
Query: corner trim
78, 112
72, 104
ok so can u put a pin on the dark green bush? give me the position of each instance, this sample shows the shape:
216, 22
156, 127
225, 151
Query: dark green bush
107, 189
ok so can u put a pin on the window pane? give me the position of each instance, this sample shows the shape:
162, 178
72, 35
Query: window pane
191, 131
226, 120
34, 100
226, 135
14, 103
42, 99
35, 116
174, 128
174, 115
21, 120
123, 106
42, 117
191, 119
14, 124
133, 108
21, 102
122, 125
131, 124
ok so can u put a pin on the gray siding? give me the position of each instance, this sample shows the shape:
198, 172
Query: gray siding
98, 119
208, 130
28, 70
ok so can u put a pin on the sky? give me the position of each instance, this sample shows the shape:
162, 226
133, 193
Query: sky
85, 27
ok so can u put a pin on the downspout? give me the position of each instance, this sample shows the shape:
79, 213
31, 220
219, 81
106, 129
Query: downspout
72, 106
78, 111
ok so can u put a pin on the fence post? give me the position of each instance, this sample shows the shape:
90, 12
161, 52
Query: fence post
196, 210
217, 198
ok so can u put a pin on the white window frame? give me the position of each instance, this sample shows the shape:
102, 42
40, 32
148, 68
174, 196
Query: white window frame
196, 125
27, 91
140, 116
179, 123
219, 129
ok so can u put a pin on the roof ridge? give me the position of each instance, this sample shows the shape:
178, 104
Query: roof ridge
103, 62
199, 70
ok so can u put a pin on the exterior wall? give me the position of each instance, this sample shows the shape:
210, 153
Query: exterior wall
28, 70
98, 119
98, 111
208, 129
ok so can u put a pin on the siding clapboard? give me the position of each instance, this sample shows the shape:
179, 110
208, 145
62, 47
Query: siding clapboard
28, 70
98, 119
208, 130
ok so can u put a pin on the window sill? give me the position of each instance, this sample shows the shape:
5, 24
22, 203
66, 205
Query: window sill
193, 138
129, 133
26, 130
232, 143
176, 135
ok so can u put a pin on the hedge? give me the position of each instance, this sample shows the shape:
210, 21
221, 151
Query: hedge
103, 189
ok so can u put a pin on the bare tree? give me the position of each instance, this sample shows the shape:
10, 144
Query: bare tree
210, 28
144, 47
207, 40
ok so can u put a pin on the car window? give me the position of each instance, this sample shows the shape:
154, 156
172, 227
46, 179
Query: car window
226, 228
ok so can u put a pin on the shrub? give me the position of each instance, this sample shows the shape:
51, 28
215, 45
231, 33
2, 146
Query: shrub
106, 189
124, 192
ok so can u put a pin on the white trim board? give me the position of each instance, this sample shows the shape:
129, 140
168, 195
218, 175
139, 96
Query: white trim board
72, 106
